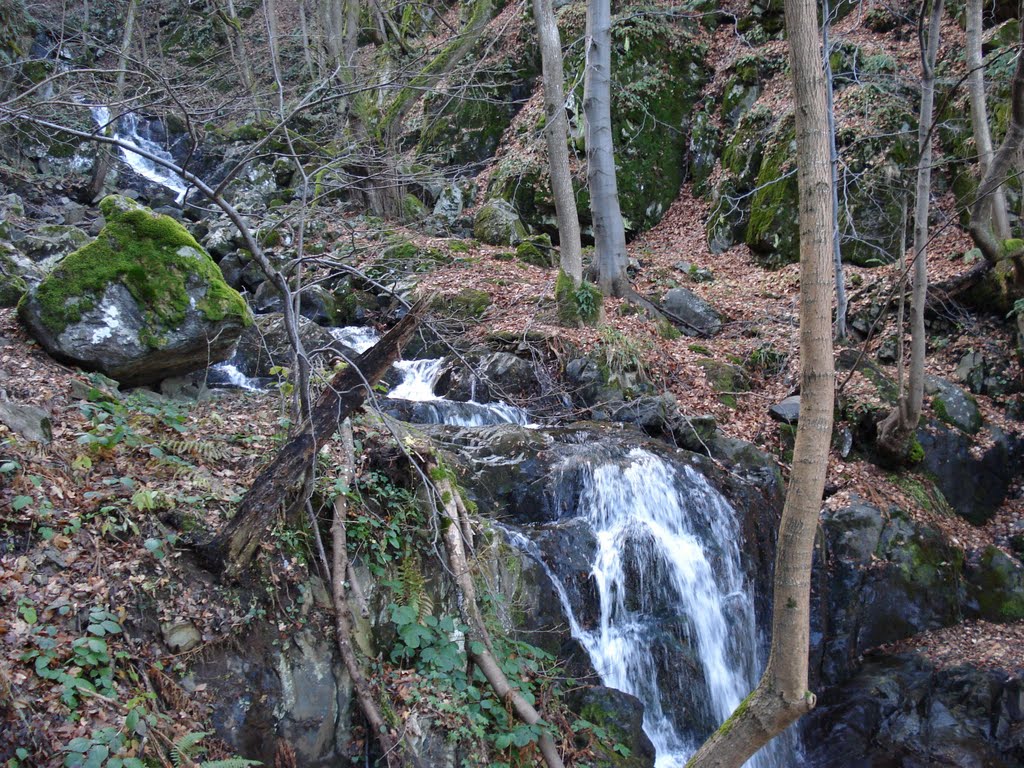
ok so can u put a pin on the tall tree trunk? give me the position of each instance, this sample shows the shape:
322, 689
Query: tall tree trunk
104, 154
979, 115
896, 431
556, 132
781, 696
609, 231
837, 256
987, 240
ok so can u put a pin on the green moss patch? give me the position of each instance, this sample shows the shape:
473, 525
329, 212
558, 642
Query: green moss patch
577, 306
151, 255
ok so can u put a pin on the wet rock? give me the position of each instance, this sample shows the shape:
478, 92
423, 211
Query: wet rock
902, 711
953, 405
690, 313
139, 304
788, 411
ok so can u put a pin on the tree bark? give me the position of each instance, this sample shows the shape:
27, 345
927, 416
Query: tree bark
781, 696
556, 132
478, 640
233, 548
609, 230
896, 431
104, 154
979, 115
837, 256
987, 240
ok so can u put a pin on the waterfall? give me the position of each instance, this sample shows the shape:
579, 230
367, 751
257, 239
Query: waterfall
676, 625
417, 385
358, 338
227, 374
127, 130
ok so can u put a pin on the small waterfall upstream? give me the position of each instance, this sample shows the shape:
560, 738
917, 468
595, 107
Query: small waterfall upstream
675, 625
127, 129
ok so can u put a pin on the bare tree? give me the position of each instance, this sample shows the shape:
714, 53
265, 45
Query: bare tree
609, 232
979, 115
782, 696
837, 255
896, 431
556, 131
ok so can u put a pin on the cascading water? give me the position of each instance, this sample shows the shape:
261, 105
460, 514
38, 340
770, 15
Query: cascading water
127, 130
676, 624
417, 385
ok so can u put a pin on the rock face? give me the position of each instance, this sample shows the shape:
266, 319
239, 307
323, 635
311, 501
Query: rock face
140, 303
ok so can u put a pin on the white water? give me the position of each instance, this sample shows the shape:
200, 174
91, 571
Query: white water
358, 338
668, 554
126, 129
417, 385
235, 378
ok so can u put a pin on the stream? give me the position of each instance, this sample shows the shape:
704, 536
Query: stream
130, 129
675, 622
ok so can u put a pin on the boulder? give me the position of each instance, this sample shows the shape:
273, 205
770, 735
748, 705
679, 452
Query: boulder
29, 421
449, 205
953, 405
620, 717
497, 223
995, 586
140, 303
50, 243
788, 411
691, 314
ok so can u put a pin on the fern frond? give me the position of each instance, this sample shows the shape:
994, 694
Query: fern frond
231, 762
197, 449
187, 746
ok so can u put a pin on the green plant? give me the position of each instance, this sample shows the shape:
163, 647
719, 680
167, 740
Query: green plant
385, 516
188, 748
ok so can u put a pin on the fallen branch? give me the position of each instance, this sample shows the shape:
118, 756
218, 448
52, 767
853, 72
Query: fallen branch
233, 548
478, 640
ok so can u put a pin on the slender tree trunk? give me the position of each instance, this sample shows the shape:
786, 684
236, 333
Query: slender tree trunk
987, 240
233, 548
896, 431
478, 640
782, 696
837, 257
105, 155
609, 231
556, 132
234, 25
307, 54
979, 115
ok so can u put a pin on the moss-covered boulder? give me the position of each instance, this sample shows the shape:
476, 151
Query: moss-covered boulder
140, 303
497, 223
995, 586
12, 276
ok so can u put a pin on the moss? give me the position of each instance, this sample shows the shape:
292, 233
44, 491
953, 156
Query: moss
577, 305
153, 256
413, 208
667, 330
915, 455
773, 233
467, 304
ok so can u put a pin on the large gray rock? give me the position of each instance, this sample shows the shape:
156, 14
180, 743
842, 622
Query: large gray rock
497, 223
953, 405
691, 314
139, 304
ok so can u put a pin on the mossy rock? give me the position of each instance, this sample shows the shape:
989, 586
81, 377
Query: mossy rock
497, 223
537, 251
996, 585
140, 303
773, 233
726, 379
467, 304
12, 282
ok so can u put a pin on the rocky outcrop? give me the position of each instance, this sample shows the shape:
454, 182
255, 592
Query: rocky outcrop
141, 303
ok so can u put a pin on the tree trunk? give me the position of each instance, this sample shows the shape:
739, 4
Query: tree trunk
104, 154
979, 115
232, 549
896, 431
987, 240
556, 132
837, 257
478, 639
609, 231
781, 695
